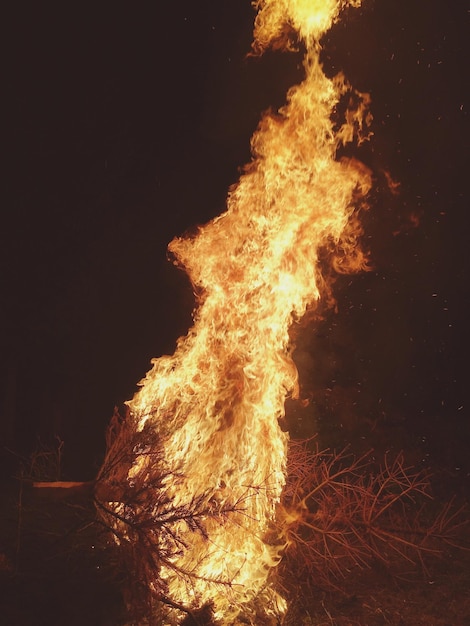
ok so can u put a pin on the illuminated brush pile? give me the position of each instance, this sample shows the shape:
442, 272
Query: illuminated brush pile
206, 459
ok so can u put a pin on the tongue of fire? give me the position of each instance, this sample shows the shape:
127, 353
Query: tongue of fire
215, 404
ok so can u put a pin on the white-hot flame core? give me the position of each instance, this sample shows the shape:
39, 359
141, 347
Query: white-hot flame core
217, 401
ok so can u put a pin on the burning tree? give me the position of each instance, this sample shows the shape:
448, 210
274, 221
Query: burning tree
207, 418
192, 484
166, 542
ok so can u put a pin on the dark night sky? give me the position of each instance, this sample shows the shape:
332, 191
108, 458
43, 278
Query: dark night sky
125, 127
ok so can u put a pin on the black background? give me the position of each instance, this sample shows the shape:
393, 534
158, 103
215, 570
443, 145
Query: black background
124, 127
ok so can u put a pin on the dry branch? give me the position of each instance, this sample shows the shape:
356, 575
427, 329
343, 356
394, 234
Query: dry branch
341, 513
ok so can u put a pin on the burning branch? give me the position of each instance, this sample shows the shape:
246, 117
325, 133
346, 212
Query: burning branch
152, 529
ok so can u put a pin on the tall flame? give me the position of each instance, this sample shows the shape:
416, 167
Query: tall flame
216, 403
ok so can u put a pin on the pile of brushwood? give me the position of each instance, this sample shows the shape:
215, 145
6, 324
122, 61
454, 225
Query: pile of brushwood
100, 546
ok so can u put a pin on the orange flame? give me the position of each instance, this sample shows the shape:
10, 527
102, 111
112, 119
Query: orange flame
216, 403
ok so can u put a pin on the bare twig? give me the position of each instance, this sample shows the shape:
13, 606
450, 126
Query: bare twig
339, 513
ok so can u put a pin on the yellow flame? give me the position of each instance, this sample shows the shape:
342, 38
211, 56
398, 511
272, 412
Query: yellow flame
309, 18
217, 401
